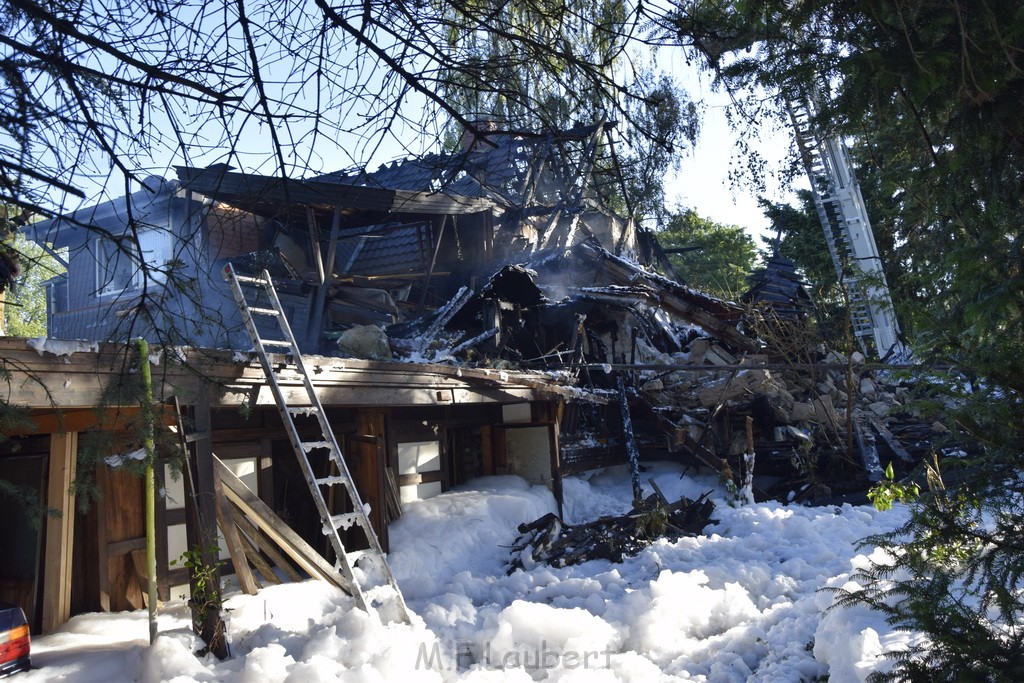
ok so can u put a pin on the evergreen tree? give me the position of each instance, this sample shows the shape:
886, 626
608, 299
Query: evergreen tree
25, 307
932, 91
530, 86
717, 259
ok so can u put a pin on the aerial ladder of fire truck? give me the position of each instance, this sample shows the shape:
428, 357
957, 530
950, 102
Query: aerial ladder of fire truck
844, 218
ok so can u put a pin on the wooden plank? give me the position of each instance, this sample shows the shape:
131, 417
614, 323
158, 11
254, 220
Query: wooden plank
125, 521
139, 563
103, 570
364, 455
657, 492
60, 530
369, 471
236, 550
392, 497
265, 545
293, 545
888, 437
252, 552
126, 546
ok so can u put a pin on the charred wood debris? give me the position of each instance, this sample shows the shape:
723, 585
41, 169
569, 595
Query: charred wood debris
664, 372
532, 271
549, 540
689, 369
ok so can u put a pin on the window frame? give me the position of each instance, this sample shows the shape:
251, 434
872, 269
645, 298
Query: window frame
107, 251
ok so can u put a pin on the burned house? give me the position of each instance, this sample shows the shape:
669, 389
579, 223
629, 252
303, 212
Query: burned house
399, 248
463, 314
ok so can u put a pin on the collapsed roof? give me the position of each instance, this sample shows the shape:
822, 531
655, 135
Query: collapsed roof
505, 255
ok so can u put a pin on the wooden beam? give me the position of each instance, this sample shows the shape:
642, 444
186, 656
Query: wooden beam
420, 478
124, 547
433, 262
236, 550
263, 543
77, 420
57, 565
80, 379
314, 240
332, 244
293, 545
252, 551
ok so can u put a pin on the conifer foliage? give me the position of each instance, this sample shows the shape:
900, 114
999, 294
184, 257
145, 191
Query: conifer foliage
931, 92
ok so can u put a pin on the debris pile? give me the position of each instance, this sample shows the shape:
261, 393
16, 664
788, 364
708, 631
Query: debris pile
507, 256
549, 540
690, 370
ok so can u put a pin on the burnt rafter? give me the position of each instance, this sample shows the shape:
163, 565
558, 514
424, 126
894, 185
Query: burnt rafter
719, 318
265, 195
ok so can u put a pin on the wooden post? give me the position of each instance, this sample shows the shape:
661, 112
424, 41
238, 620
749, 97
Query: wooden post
315, 323
103, 571
201, 529
314, 240
59, 531
555, 413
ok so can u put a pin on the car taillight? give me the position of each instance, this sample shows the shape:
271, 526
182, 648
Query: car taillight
16, 644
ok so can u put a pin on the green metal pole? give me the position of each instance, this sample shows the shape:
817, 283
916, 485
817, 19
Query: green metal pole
147, 427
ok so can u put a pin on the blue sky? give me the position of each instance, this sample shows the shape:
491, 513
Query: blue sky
703, 182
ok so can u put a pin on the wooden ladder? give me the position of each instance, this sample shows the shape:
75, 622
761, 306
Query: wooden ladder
358, 518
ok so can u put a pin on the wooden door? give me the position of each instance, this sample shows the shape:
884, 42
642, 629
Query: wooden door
364, 455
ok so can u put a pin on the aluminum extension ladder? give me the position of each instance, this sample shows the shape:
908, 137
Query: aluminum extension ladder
331, 523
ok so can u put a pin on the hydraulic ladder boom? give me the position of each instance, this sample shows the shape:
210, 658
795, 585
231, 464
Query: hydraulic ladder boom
851, 242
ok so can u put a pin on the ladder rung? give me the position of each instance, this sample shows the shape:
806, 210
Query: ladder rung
303, 410
277, 342
313, 445
251, 280
263, 311
345, 520
330, 481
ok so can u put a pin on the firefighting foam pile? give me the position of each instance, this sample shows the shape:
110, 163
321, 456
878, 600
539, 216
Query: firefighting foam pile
739, 602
